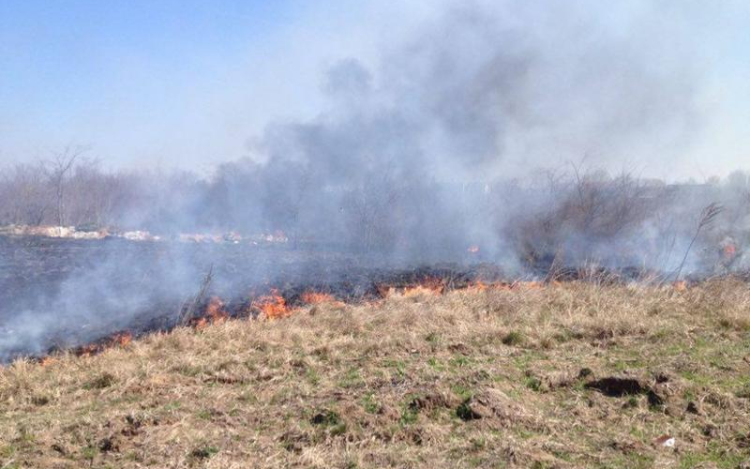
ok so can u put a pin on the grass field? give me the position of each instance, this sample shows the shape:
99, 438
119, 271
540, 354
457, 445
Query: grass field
574, 375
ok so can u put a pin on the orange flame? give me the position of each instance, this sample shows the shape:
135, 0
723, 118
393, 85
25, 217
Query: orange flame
200, 324
314, 298
272, 306
121, 339
478, 286
428, 286
215, 311
88, 350
215, 314
419, 290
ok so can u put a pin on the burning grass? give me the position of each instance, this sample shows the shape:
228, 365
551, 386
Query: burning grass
524, 375
215, 314
272, 306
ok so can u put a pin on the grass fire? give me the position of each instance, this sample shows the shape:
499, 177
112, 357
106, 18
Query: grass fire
575, 374
486, 234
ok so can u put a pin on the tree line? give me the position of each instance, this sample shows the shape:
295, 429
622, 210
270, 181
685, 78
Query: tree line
568, 214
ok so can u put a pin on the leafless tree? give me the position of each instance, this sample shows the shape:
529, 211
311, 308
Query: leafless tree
25, 197
373, 210
58, 170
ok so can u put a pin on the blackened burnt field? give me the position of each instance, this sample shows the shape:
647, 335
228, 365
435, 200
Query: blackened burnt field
63, 293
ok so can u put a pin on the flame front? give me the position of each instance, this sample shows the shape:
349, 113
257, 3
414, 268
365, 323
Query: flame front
215, 311
478, 286
122, 339
215, 314
314, 298
272, 306
427, 286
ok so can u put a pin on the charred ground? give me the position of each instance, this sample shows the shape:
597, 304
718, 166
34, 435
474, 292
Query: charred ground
77, 285
83, 291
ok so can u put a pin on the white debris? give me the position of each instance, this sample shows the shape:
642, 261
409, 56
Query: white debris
67, 232
139, 236
70, 232
665, 441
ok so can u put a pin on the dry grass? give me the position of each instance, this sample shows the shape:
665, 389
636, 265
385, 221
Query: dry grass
493, 378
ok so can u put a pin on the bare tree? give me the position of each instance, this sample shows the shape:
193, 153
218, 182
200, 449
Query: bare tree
58, 170
25, 195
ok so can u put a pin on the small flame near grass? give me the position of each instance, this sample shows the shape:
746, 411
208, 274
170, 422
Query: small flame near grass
479, 286
316, 298
119, 339
680, 285
215, 314
122, 339
272, 306
427, 287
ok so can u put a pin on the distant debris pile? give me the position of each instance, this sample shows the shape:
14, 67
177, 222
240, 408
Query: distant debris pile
71, 232
68, 232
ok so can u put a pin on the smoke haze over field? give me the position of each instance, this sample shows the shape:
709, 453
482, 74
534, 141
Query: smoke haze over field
134, 79
397, 133
417, 125
482, 87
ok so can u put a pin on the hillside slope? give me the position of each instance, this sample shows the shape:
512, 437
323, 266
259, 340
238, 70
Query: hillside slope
575, 375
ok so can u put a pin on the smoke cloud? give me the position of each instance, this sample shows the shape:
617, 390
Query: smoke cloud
484, 92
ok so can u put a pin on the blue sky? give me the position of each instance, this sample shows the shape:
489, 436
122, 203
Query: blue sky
61, 53
134, 79
105, 72
189, 83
